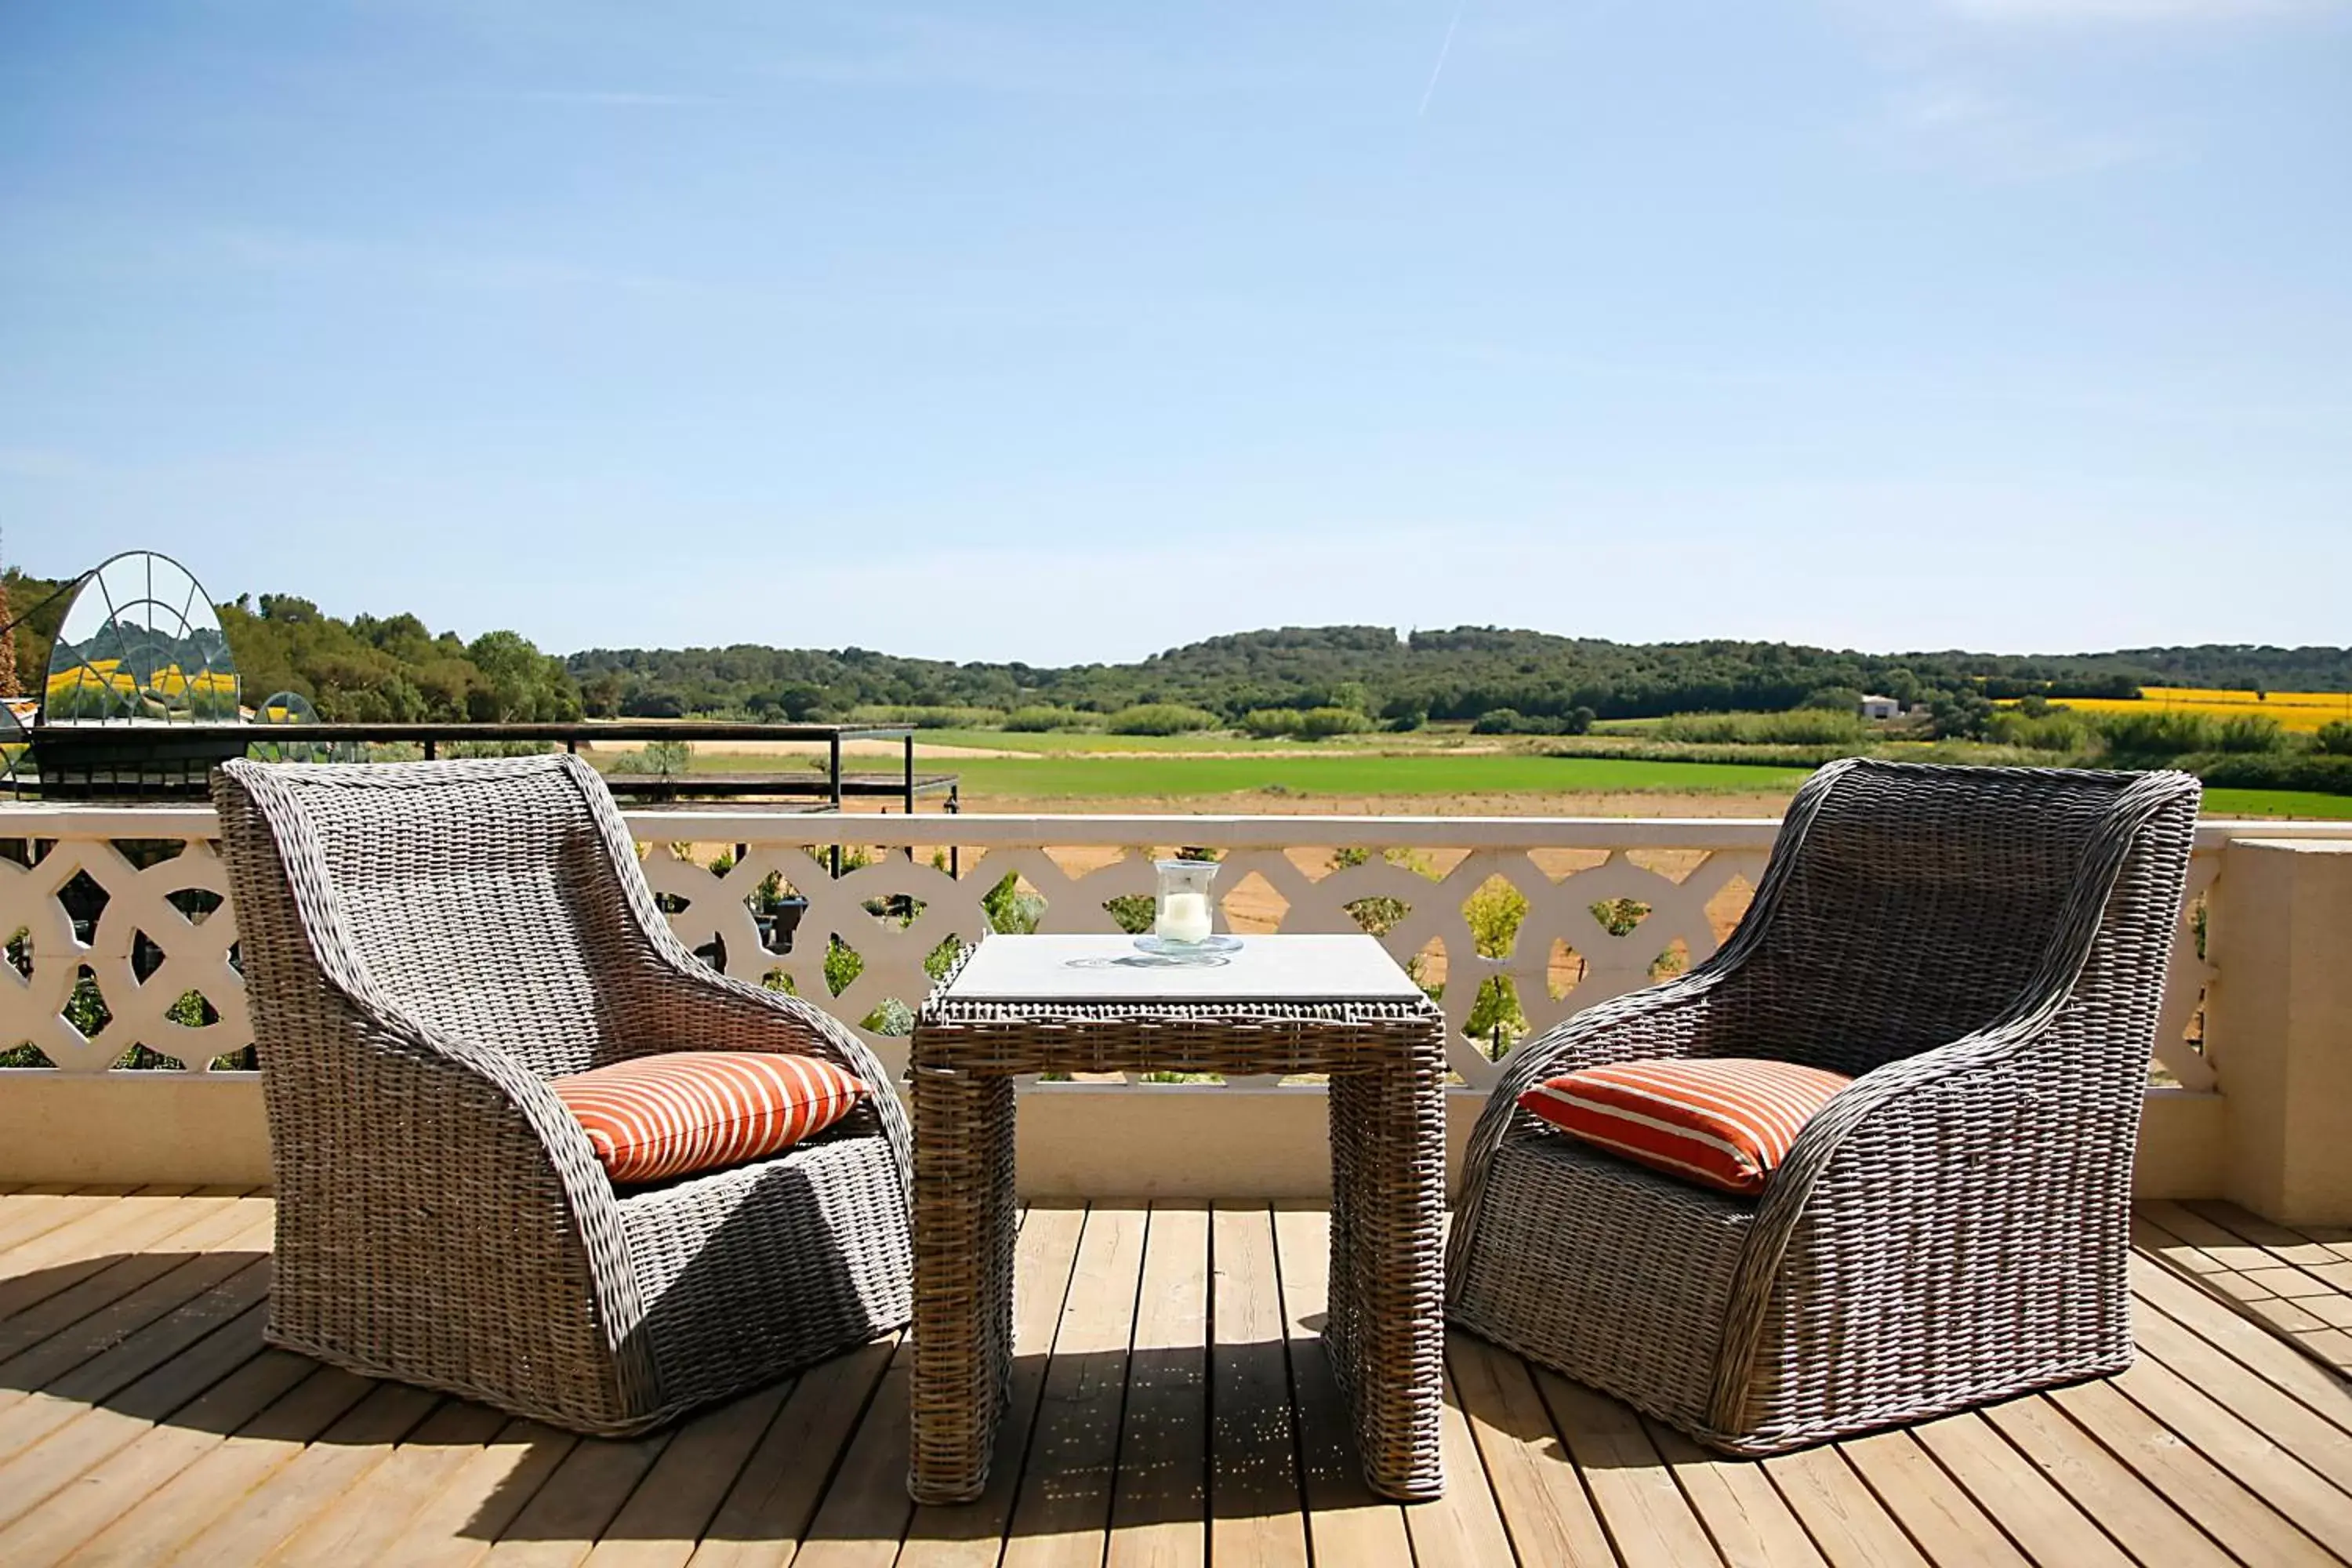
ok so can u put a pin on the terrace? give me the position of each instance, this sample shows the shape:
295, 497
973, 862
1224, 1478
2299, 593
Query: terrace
1172, 1402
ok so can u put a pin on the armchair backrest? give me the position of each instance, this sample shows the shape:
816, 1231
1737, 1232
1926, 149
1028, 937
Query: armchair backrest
1917, 903
482, 900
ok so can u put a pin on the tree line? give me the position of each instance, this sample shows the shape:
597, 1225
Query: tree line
378, 668
1462, 673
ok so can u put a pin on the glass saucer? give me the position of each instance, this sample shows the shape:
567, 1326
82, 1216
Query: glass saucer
1180, 950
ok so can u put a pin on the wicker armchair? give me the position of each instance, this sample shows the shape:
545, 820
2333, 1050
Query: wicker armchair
1984, 950
423, 946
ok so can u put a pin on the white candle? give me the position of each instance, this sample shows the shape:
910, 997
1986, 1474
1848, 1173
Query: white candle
1184, 917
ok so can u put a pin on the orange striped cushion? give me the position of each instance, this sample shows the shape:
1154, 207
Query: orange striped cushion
1726, 1122
668, 1115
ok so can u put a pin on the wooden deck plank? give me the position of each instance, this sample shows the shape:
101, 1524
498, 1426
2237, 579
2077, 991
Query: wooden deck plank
1256, 1512
2295, 1426
1846, 1518
864, 1516
672, 1507
2141, 1518
154, 1528
1061, 1517
124, 1288
2323, 1264
2189, 1228
1940, 1516
1159, 1512
765, 1512
1543, 1503
26, 1215
1463, 1529
128, 1226
455, 1525
101, 1429
1747, 1516
2331, 1347
2250, 1278
2292, 1284
357, 1526
104, 1492
972, 1533
1347, 1522
586, 1489
64, 1391
2336, 1311
2043, 1522
1648, 1518
2264, 1467
2336, 1238
2240, 1520
158, 1427
317, 1475
2288, 1246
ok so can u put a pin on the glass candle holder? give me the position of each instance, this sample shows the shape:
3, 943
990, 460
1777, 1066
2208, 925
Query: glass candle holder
1184, 914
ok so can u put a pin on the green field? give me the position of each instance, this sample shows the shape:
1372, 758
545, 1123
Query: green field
1435, 740
1132, 778
2277, 802
1215, 769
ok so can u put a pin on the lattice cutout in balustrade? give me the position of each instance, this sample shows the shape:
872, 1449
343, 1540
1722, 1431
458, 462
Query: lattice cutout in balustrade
1594, 923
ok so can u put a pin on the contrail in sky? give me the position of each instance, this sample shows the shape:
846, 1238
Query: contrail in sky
1443, 49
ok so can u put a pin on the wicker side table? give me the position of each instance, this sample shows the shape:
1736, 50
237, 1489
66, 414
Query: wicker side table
1335, 1005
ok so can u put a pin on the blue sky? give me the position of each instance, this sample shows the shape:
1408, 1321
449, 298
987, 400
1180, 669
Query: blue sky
1062, 332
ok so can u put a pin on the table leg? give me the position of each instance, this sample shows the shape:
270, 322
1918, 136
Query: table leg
963, 1225
1386, 1330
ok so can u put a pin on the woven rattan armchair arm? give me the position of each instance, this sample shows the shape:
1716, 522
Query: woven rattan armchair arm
702, 1009
1658, 1021
465, 1201
1924, 1145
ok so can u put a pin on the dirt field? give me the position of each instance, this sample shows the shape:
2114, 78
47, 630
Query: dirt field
926, 753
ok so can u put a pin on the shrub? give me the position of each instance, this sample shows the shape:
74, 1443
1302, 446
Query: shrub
1797, 727
2326, 774
1321, 723
927, 716
2052, 730
2158, 733
456, 749
666, 758
1511, 721
1266, 724
1163, 719
2251, 733
1011, 911
1037, 720
2334, 738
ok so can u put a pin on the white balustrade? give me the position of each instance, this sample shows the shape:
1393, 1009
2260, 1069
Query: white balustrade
1580, 880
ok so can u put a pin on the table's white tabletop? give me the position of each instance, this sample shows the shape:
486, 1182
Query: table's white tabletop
1295, 969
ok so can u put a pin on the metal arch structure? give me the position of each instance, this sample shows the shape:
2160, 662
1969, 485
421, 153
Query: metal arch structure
292, 709
139, 644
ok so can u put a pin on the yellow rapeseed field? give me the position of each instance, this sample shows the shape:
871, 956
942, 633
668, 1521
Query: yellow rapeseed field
2300, 711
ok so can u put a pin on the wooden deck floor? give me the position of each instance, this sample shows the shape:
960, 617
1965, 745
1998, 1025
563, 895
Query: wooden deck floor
1171, 1406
